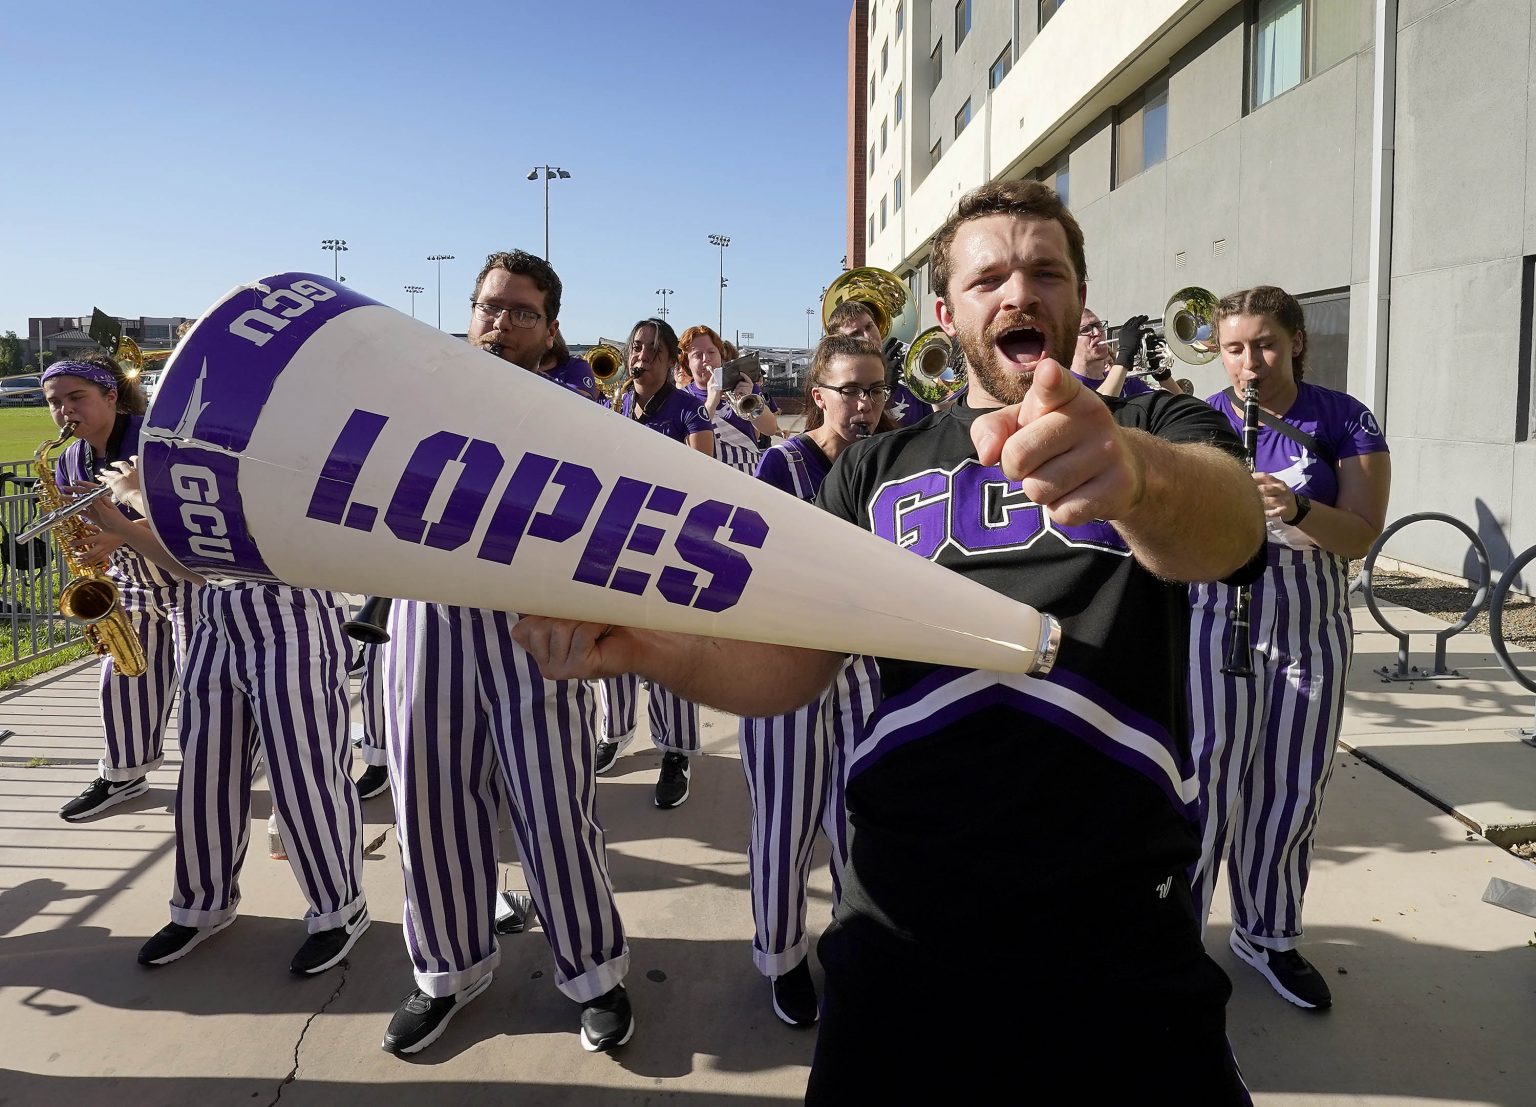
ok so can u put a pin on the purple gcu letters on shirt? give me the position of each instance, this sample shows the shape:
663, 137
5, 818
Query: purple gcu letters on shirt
1341, 424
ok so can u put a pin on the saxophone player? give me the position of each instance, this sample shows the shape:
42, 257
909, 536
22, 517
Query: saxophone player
104, 407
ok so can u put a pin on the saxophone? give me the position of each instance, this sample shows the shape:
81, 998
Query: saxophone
90, 596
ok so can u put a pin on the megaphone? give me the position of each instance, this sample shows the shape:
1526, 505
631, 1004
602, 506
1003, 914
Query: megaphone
308, 435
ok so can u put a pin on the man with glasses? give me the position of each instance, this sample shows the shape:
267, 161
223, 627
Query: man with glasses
1091, 362
473, 720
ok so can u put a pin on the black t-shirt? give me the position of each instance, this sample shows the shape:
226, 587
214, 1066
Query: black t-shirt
983, 804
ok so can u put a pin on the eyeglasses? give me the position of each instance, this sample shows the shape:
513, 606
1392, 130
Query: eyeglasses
1092, 328
877, 393
521, 317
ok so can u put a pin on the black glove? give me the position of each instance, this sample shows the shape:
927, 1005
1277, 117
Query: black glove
1130, 341
893, 351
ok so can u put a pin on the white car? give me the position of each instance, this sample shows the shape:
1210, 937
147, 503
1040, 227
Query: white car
149, 382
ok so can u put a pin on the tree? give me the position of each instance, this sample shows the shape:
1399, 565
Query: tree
12, 354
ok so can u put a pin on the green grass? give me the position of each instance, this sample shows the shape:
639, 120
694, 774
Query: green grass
22, 430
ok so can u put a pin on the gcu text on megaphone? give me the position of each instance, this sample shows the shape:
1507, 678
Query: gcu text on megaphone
306, 434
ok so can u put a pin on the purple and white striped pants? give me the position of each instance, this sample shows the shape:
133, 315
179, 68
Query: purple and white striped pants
468, 708
796, 766
135, 711
1263, 746
373, 696
266, 665
674, 720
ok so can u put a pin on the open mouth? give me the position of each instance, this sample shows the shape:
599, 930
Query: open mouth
1022, 346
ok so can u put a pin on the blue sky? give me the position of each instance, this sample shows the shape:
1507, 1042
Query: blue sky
161, 153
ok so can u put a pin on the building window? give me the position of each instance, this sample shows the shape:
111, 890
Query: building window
1327, 319
1058, 175
157, 332
1049, 8
871, 90
885, 57
871, 230
1141, 133
1297, 39
1000, 67
962, 117
936, 63
896, 194
901, 19
882, 213
898, 103
936, 153
871, 159
882, 135
962, 21
874, 10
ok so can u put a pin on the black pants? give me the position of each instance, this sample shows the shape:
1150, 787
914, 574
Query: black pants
1083, 1021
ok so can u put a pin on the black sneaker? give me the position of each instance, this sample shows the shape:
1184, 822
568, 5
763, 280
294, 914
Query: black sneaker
609, 753
607, 1022
421, 1019
175, 941
1288, 973
373, 782
514, 912
326, 948
101, 795
794, 995
672, 784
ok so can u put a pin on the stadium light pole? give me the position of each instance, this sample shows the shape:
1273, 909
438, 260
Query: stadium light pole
413, 289
809, 312
335, 246
664, 293
551, 173
721, 241
440, 258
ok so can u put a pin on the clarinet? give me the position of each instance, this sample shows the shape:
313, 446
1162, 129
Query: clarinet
1240, 645
369, 628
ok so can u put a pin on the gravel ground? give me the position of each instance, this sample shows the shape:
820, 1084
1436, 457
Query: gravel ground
1450, 601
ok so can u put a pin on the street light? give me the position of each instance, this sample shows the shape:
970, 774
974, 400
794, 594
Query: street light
440, 258
721, 241
808, 313
551, 172
664, 293
413, 289
335, 246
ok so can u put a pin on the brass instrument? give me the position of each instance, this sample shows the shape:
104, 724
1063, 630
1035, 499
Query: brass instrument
1189, 325
748, 407
883, 293
608, 367
747, 366
108, 332
371, 625
90, 596
926, 369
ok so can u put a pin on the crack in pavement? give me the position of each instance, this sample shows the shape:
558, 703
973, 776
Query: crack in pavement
293, 1073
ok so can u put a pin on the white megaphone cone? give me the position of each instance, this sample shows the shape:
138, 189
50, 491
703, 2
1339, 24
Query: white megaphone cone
306, 434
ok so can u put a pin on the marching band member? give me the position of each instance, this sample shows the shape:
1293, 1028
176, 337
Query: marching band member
959, 894
1264, 744
265, 677
106, 407
795, 762
1092, 365
736, 439
663, 406
903, 407
469, 704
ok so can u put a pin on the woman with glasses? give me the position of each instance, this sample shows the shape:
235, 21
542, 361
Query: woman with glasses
652, 398
795, 762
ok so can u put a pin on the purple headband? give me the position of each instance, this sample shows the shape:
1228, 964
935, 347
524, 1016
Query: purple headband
85, 372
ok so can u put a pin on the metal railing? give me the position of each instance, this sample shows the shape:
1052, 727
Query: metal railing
1496, 632
31, 575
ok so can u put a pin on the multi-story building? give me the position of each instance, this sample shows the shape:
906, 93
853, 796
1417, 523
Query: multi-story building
68, 334
1370, 156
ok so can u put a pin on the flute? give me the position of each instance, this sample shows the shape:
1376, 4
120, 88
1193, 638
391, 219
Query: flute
1240, 645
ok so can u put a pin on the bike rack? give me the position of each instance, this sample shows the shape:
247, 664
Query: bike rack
1405, 671
1496, 632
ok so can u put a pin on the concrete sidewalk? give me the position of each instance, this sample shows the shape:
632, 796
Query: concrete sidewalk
1435, 991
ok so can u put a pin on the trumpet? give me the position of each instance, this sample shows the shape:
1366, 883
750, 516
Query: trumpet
747, 407
731, 374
